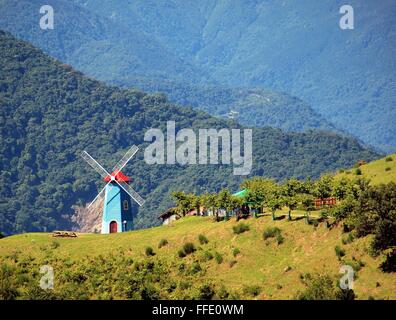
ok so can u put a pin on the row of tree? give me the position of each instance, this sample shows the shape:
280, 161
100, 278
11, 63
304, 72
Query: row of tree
263, 194
364, 209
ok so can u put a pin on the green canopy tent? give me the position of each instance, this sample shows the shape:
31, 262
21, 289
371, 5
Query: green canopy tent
243, 194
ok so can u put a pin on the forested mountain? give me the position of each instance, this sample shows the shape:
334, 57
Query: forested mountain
50, 113
254, 107
298, 48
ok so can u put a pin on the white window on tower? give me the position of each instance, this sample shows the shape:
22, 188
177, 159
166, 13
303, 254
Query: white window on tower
126, 205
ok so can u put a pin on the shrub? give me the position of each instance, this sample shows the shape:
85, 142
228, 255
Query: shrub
149, 251
232, 263
207, 256
388, 159
235, 252
223, 293
322, 287
387, 169
240, 228
271, 232
358, 172
162, 243
206, 292
389, 265
202, 239
187, 249
55, 244
279, 239
339, 252
252, 291
348, 239
195, 268
1, 235
218, 257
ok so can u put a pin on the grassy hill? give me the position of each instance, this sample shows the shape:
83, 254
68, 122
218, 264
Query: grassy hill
146, 264
262, 269
378, 171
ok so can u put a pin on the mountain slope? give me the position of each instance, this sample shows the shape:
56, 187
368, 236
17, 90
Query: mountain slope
253, 107
262, 269
50, 113
346, 75
92, 43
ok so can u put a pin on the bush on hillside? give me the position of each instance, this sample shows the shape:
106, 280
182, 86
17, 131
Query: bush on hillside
240, 228
162, 243
149, 251
202, 239
271, 233
188, 248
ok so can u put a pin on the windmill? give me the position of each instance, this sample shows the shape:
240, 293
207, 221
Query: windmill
116, 194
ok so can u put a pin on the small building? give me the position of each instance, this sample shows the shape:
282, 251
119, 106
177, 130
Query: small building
168, 216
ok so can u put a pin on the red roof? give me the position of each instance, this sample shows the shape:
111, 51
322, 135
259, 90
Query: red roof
119, 176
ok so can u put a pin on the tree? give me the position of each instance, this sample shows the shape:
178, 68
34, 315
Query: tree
307, 204
341, 187
290, 189
259, 190
209, 200
323, 187
291, 203
184, 202
275, 200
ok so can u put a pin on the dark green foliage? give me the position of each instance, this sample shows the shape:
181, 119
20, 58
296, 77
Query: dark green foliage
389, 265
388, 169
339, 252
279, 239
162, 243
149, 251
202, 239
358, 171
348, 239
188, 248
271, 232
375, 213
388, 159
323, 287
240, 228
207, 255
252, 290
1, 235
195, 268
235, 252
218, 257
206, 292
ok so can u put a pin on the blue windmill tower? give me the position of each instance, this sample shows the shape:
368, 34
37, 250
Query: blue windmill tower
117, 195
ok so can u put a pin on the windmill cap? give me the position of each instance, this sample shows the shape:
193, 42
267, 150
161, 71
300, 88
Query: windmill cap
119, 176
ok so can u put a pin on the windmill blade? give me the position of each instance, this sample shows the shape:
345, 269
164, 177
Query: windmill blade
128, 189
125, 159
94, 164
99, 196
